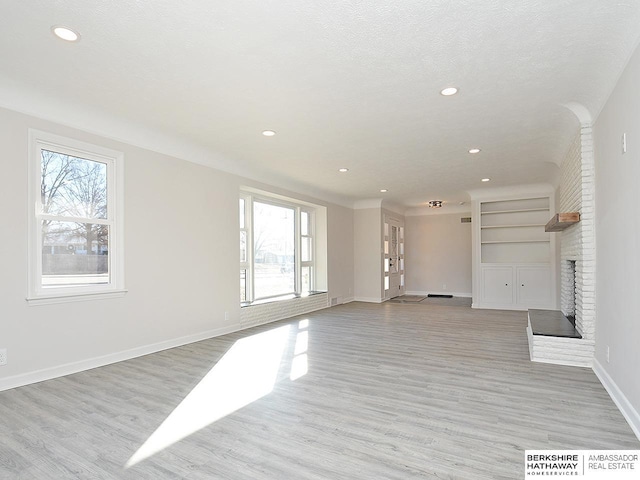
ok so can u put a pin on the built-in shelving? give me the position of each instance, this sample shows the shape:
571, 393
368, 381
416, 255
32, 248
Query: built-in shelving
514, 226
517, 211
513, 230
514, 241
513, 260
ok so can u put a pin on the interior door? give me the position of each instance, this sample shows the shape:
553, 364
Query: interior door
394, 258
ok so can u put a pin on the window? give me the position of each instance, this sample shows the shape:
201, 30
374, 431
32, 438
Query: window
277, 251
75, 227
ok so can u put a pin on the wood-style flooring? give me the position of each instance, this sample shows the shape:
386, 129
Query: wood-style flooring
357, 391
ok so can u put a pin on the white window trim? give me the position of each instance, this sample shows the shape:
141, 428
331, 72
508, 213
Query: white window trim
250, 197
38, 295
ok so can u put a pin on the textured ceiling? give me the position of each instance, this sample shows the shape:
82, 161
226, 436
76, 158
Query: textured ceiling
344, 84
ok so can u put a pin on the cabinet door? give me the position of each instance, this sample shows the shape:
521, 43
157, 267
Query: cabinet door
533, 286
497, 285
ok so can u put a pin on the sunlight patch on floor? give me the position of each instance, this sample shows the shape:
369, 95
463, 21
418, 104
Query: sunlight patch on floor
246, 373
300, 362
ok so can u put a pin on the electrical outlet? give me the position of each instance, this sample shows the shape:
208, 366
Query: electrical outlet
607, 353
226, 316
624, 143
3, 356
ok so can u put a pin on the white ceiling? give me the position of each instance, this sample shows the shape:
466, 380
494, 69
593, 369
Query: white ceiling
344, 84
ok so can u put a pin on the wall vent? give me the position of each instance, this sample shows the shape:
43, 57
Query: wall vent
334, 301
465, 219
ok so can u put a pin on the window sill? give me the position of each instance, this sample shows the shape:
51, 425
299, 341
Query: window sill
281, 298
74, 297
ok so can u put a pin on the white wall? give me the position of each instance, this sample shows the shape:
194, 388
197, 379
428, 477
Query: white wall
367, 224
340, 263
182, 251
437, 253
618, 242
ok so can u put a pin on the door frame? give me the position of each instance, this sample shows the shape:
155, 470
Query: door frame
393, 262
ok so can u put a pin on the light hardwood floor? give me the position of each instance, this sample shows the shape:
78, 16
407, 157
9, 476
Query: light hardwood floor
391, 391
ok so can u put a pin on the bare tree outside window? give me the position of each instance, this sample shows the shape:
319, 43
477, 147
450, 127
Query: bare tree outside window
75, 236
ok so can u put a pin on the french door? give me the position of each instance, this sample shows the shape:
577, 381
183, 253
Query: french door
393, 275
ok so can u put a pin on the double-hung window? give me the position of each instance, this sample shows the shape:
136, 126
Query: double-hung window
277, 251
75, 232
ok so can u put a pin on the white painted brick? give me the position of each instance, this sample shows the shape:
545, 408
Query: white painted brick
577, 243
270, 312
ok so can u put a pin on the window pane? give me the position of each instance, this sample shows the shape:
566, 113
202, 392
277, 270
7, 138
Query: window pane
74, 253
242, 213
72, 186
274, 252
243, 285
304, 223
386, 265
243, 246
306, 279
306, 254
386, 283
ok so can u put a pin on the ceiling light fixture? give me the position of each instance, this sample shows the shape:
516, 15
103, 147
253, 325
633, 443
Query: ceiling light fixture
383, 190
343, 170
435, 204
447, 92
486, 179
474, 150
65, 33
268, 133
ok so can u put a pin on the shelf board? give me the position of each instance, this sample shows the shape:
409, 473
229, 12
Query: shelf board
514, 226
561, 221
543, 209
514, 241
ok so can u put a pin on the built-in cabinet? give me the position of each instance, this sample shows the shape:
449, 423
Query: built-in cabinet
514, 256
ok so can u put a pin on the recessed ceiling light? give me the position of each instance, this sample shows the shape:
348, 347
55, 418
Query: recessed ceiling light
447, 92
486, 179
383, 190
65, 33
268, 133
474, 150
343, 170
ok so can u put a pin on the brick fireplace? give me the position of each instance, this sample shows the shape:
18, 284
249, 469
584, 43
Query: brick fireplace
577, 243
577, 260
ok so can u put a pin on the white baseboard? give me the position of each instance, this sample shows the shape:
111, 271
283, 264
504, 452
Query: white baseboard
347, 300
75, 367
368, 299
499, 306
455, 294
630, 414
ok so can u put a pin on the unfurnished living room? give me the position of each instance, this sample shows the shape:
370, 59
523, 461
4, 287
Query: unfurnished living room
319, 240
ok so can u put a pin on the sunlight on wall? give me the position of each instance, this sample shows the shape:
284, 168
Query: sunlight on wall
246, 373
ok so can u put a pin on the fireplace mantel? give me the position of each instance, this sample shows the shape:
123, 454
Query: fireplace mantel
560, 221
